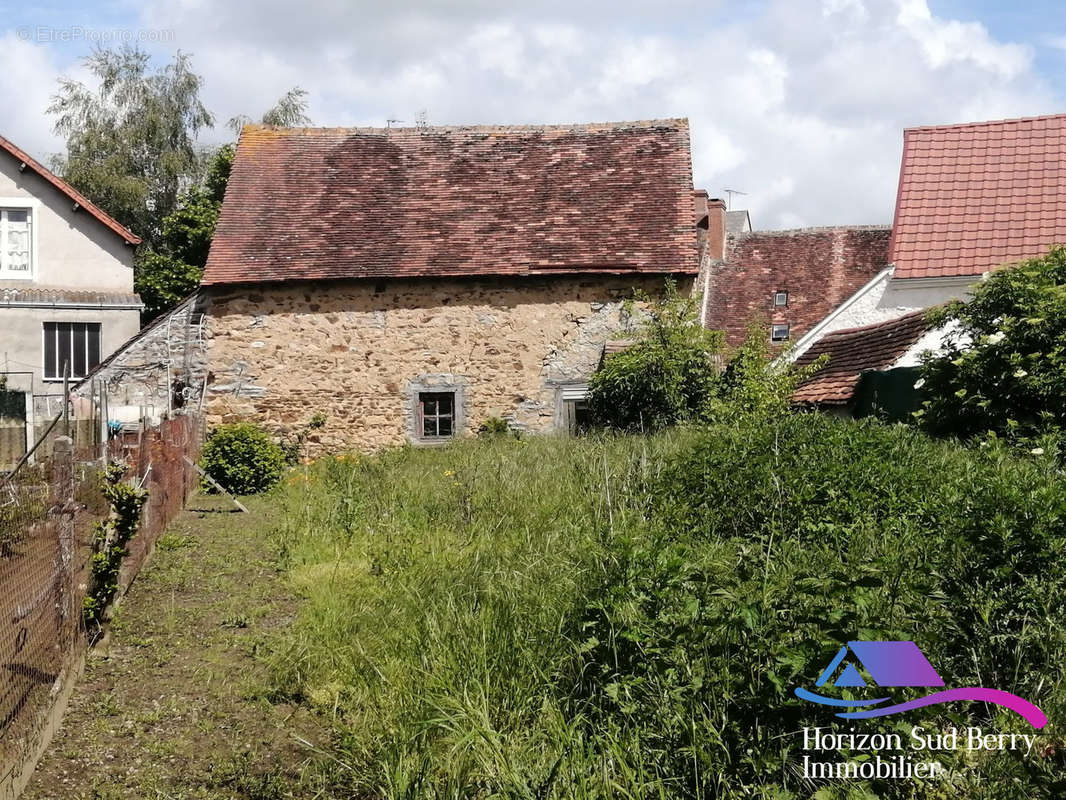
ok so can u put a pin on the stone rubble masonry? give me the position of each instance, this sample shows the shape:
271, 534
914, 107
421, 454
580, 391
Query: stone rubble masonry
819, 268
359, 351
165, 357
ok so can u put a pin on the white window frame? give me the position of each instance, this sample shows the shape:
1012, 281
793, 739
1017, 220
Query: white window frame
59, 367
788, 332
33, 207
781, 293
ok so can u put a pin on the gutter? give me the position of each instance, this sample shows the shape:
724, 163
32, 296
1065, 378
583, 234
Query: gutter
81, 306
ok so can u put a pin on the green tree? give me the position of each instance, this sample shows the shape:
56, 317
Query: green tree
172, 270
165, 275
668, 376
130, 142
1003, 369
289, 112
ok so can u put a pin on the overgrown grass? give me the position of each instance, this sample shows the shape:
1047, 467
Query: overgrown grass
626, 617
441, 584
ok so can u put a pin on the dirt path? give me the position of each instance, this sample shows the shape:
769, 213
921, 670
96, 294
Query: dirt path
173, 707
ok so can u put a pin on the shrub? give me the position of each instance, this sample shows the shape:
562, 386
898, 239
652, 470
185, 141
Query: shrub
292, 447
783, 540
494, 426
755, 385
1004, 367
667, 377
243, 458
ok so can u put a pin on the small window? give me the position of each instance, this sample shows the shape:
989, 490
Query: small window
781, 299
16, 248
70, 348
779, 333
436, 412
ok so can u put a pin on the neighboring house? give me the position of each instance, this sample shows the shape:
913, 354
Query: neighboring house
971, 198
737, 222
788, 281
66, 278
411, 283
869, 369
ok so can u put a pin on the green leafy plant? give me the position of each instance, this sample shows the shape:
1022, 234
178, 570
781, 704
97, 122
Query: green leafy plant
109, 542
494, 426
1004, 365
292, 446
243, 458
755, 384
667, 377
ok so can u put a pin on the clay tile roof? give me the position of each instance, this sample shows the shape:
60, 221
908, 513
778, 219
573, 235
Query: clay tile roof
973, 197
332, 203
853, 351
77, 197
44, 296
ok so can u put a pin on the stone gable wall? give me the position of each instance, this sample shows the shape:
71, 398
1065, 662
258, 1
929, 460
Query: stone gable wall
358, 351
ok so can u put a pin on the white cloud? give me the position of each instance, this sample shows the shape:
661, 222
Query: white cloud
800, 103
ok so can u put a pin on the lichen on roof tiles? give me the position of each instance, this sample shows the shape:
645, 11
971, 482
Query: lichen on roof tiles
334, 203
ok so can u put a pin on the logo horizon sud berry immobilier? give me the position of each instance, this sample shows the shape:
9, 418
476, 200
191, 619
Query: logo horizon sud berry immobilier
901, 664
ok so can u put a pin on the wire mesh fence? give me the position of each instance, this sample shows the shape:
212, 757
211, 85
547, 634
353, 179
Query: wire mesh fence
48, 513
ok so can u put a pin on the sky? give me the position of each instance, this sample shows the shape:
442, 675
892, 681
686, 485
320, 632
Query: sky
800, 104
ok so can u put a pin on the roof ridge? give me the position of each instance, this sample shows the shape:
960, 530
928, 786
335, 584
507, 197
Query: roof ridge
984, 123
873, 325
812, 229
94, 210
676, 122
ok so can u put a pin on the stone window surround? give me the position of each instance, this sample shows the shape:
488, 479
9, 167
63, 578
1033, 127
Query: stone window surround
436, 383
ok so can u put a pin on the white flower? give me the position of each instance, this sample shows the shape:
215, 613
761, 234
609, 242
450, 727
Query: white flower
997, 337
1020, 373
918, 384
1037, 451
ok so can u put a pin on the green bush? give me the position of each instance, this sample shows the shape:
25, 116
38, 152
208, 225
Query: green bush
494, 426
1004, 369
667, 377
781, 541
243, 458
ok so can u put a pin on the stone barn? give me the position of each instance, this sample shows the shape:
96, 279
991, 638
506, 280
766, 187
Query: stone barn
411, 283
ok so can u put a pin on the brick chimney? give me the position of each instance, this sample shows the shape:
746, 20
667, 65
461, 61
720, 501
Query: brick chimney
716, 228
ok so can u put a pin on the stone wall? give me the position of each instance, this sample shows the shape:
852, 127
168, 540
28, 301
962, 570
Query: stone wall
359, 352
819, 268
157, 371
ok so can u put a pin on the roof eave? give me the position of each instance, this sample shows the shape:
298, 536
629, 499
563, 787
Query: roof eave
26, 161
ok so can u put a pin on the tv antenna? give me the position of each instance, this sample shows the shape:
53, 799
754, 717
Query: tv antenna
729, 197
389, 122
421, 120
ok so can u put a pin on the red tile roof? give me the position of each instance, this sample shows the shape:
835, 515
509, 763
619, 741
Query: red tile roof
77, 197
332, 203
973, 197
853, 351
